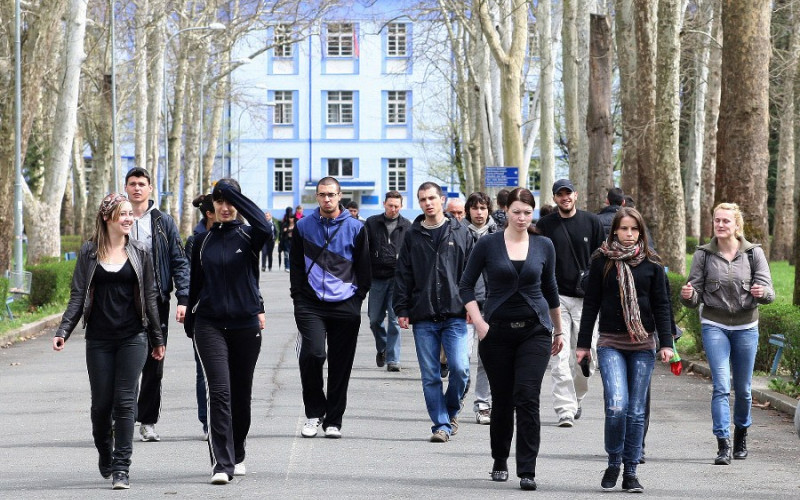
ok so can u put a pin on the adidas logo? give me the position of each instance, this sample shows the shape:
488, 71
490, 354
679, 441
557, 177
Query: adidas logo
238, 250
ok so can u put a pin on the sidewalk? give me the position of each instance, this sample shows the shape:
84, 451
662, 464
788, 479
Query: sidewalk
46, 447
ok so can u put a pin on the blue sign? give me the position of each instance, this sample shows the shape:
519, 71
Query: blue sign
502, 176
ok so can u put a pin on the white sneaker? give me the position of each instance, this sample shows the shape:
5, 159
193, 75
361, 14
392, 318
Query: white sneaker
310, 428
239, 469
220, 478
483, 417
333, 432
148, 433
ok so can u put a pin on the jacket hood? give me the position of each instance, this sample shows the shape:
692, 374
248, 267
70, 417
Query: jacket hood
712, 247
200, 228
317, 216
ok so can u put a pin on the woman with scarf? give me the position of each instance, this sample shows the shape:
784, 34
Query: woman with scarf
627, 288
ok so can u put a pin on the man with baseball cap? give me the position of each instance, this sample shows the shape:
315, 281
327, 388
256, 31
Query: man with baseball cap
575, 235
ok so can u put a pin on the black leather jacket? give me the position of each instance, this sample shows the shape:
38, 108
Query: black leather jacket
383, 249
169, 258
82, 291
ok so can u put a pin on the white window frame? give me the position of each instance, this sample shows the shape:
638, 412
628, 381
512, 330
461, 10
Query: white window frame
284, 107
396, 107
397, 40
339, 107
397, 174
283, 169
337, 167
339, 41
284, 48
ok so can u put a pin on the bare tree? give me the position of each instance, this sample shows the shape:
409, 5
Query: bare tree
712, 114
645, 190
547, 113
626, 61
598, 120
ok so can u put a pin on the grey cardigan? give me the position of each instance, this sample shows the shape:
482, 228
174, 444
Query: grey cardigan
722, 288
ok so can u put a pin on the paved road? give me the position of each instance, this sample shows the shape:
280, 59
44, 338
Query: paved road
46, 447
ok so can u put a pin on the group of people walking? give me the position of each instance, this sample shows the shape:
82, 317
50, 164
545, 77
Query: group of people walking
568, 292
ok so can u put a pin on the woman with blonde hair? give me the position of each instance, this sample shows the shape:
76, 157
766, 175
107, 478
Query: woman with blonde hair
113, 288
729, 278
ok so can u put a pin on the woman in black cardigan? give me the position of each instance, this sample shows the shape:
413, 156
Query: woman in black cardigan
627, 287
520, 330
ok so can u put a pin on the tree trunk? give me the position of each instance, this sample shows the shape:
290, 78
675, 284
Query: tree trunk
743, 136
626, 61
598, 119
645, 15
547, 115
569, 77
78, 184
670, 230
580, 174
784, 215
141, 56
41, 218
712, 115
212, 144
695, 153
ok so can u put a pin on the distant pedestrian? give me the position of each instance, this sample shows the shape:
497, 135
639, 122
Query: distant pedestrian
615, 199
480, 224
386, 232
352, 207
627, 288
455, 207
431, 261
298, 212
330, 277
521, 330
284, 243
287, 232
226, 318
499, 215
729, 278
114, 290
269, 244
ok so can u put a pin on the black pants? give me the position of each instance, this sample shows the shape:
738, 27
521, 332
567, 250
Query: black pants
515, 360
149, 404
229, 360
266, 254
314, 327
114, 367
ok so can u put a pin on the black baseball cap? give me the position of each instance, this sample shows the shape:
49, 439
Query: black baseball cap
563, 184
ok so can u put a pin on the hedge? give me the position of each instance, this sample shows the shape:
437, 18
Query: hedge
50, 282
779, 318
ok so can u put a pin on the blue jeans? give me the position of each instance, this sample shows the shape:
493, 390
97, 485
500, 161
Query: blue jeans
626, 377
730, 352
114, 366
380, 302
429, 336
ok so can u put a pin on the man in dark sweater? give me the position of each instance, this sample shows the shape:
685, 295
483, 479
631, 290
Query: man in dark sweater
614, 201
385, 233
575, 235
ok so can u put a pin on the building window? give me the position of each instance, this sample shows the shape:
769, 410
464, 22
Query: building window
340, 107
397, 45
397, 174
284, 110
340, 167
396, 107
283, 40
340, 40
283, 175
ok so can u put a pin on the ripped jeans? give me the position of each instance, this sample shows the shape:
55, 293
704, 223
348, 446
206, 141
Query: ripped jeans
626, 377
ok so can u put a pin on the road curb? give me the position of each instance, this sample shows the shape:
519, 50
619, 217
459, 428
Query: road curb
776, 400
29, 330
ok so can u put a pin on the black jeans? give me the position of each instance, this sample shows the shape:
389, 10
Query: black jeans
114, 367
229, 360
149, 405
314, 328
266, 254
515, 360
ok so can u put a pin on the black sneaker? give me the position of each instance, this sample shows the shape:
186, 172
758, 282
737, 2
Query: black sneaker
444, 370
631, 484
120, 481
380, 359
610, 477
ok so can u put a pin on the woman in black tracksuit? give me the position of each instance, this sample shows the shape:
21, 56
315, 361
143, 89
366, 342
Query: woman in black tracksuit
224, 317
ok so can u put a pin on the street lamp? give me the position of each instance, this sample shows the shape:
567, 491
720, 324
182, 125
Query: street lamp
210, 27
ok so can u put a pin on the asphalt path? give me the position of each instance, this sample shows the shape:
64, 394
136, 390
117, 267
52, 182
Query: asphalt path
46, 448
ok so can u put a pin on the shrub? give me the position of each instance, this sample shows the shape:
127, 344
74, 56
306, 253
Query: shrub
686, 317
691, 244
779, 318
50, 283
71, 243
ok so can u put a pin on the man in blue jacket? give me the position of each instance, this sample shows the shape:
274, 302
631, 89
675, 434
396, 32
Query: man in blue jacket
330, 277
157, 231
432, 259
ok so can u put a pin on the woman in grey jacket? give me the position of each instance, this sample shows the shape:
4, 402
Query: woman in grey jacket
729, 278
113, 288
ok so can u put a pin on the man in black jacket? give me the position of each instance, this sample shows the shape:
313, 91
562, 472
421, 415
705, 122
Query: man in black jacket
614, 201
575, 235
157, 231
385, 233
429, 267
